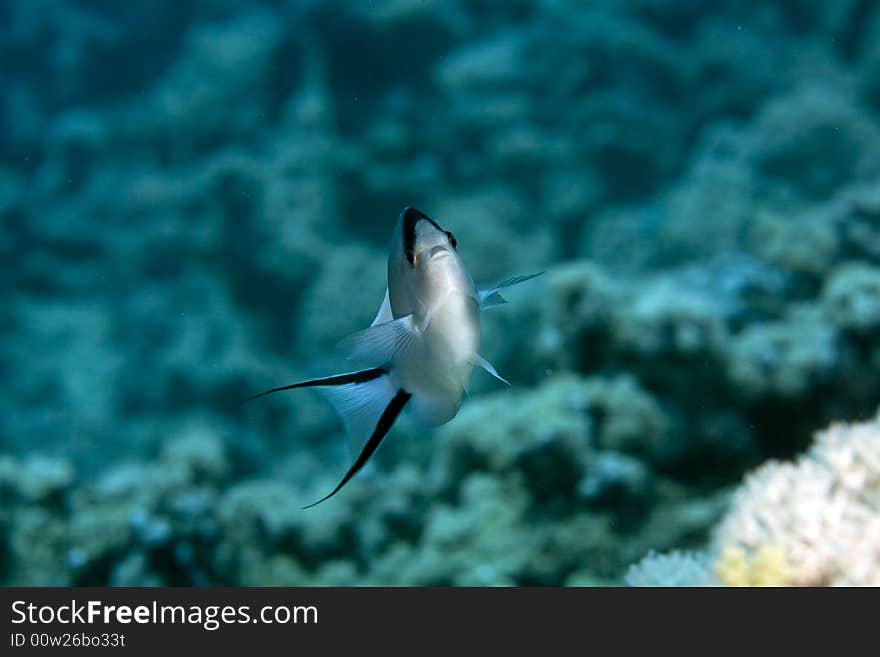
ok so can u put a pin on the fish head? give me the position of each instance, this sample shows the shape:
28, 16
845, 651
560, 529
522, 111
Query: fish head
422, 264
419, 239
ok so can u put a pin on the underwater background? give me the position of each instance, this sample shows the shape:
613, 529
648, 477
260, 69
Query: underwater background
196, 202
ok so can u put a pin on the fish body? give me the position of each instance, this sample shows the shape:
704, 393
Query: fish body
422, 345
437, 292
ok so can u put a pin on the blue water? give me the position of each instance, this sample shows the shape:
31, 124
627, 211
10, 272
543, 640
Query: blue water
197, 200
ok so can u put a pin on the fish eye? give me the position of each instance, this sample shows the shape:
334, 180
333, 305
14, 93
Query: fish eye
452, 240
411, 257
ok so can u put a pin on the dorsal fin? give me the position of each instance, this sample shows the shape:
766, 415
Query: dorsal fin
384, 314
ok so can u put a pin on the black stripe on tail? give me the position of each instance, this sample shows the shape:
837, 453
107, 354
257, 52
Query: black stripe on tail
388, 417
340, 379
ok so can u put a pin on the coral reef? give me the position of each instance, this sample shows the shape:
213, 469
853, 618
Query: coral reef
196, 201
512, 498
820, 514
672, 569
811, 522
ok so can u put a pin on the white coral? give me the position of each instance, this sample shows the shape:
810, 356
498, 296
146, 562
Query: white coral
673, 569
822, 511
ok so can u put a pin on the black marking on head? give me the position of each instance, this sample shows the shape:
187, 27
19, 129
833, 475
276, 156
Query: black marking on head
411, 217
452, 240
340, 379
382, 427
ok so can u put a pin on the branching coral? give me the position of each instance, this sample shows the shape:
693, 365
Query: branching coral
822, 512
673, 569
811, 522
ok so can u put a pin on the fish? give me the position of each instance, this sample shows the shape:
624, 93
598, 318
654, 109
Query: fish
422, 345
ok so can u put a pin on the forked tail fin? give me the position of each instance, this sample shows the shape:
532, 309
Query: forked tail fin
368, 401
362, 376
385, 422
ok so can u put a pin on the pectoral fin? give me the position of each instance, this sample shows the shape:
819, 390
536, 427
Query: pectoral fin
489, 298
382, 343
493, 297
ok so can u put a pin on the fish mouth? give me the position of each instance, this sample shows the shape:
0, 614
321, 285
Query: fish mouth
439, 252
